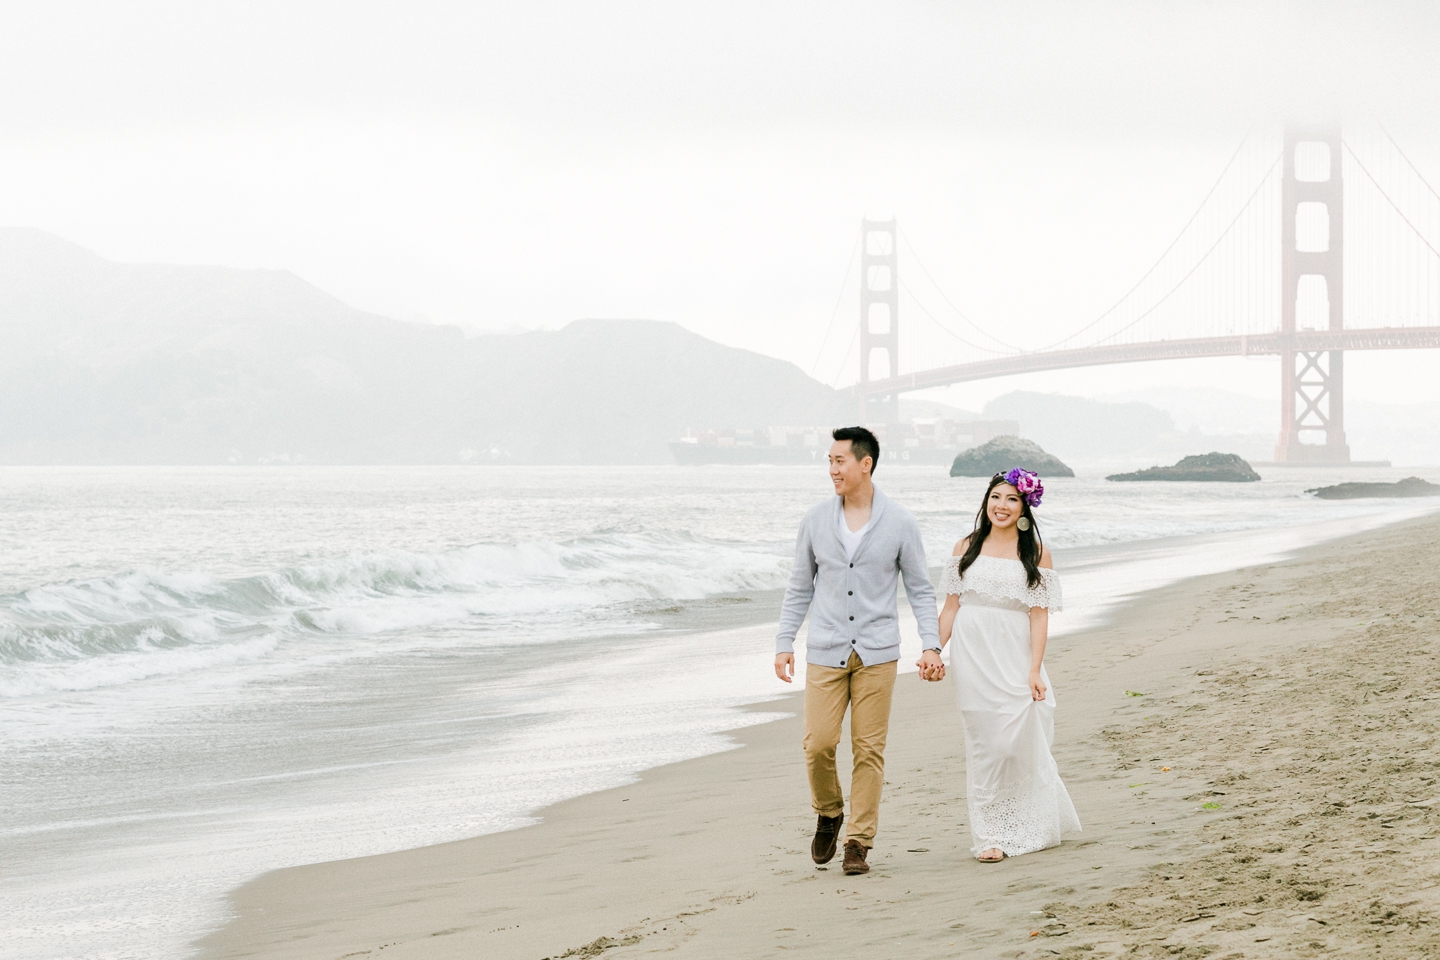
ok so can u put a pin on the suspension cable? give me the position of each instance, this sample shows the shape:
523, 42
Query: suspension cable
1153, 267
1404, 157
938, 289
841, 370
844, 285
975, 346
1199, 263
1392, 203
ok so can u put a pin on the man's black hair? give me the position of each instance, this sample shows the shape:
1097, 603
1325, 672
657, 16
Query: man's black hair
862, 444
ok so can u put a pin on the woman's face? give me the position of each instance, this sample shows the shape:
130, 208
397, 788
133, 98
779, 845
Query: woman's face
1004, 506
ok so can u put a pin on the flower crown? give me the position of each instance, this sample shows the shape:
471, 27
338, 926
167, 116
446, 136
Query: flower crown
1027, 484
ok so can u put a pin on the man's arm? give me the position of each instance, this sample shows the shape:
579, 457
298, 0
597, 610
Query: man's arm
918, 587
798, 594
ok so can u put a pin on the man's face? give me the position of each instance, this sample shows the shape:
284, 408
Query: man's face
847, 473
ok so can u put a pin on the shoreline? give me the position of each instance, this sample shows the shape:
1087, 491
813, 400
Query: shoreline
708, 856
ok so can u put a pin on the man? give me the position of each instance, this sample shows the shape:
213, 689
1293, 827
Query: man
850, 552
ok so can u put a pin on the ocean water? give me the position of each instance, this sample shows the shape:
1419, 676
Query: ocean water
209, 673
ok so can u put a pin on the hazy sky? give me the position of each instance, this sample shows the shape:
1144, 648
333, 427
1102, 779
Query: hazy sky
519, 165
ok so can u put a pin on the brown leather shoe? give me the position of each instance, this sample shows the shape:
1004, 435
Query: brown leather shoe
855, 858
827, 834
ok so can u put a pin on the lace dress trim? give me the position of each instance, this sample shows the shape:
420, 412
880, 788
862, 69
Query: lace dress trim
1021, 822
1004, 580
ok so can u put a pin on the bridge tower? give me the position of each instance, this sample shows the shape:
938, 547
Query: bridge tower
1312, 293
879, 319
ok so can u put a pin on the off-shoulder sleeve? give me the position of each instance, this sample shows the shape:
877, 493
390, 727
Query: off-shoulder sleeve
1047, 592
950, 577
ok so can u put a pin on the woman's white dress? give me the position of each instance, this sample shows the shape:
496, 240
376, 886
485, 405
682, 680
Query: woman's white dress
1016, 800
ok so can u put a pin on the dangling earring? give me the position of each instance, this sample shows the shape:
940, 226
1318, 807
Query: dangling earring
1023, 523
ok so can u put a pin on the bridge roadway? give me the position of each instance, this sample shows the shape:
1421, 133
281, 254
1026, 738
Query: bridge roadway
1263, 344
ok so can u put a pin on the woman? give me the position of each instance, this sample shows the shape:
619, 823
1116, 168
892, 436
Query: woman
1000, 589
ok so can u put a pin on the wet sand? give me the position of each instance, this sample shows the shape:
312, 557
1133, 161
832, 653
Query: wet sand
1295, 705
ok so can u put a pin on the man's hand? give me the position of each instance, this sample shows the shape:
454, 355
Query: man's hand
785, 666
931, 666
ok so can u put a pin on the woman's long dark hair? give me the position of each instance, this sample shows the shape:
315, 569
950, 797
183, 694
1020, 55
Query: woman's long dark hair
1029, 539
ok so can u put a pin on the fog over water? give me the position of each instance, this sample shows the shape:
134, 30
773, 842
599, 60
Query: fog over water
507, 168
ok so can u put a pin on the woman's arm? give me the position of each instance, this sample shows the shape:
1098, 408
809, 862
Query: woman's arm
947, 617
1039, 633
952, 602
1039, 629
946, 625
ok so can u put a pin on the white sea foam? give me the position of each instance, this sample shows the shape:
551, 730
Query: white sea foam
148, 623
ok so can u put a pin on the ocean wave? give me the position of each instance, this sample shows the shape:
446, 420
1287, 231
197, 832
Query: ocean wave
86, 634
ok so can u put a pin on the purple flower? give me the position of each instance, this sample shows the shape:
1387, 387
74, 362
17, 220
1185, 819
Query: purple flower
1027, 484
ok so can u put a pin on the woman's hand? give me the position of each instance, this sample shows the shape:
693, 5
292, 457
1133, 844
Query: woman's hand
1037, 686
931, 666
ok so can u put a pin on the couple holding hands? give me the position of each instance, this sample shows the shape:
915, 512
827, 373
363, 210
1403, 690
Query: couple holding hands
999, 589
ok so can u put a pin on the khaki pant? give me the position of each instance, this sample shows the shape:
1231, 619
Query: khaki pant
867, 691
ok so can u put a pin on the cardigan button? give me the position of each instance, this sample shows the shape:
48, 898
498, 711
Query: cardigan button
852, 618
850, 593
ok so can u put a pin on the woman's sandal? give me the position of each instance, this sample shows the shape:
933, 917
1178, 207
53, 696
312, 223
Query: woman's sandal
984, 859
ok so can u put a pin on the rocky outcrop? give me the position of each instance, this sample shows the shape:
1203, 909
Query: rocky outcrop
1222, 467
1002, 453
1409, 487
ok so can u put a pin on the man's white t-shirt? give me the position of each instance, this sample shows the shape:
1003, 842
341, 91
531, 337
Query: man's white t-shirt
850, 539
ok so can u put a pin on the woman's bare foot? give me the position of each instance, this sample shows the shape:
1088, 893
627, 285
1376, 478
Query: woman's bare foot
993, 855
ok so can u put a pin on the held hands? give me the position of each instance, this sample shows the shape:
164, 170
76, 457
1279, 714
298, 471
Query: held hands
930, 664
1037, 686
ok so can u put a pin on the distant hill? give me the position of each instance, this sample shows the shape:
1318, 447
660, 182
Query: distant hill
103, 362
1078, 428
911, 409
1117, 433
1407, 433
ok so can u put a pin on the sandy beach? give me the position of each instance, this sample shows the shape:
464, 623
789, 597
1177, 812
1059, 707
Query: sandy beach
1252, 755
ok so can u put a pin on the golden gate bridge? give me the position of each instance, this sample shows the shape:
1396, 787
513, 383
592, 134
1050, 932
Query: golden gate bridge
1307, 246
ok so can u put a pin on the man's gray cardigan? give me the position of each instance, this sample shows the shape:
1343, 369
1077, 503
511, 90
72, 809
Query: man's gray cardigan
852, 601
